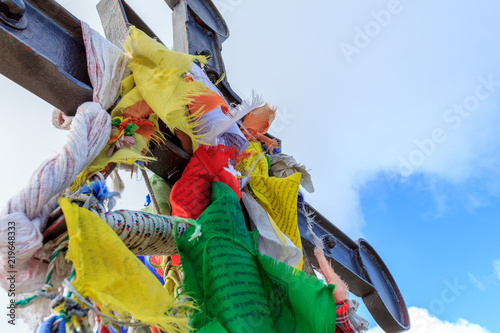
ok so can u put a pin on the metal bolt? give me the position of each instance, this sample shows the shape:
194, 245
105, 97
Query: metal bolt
207, 53
329, 242
13, 9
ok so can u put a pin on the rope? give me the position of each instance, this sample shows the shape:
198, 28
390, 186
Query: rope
63, 244
60, 120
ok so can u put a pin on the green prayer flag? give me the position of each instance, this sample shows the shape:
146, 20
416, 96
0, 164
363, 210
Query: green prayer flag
241, 290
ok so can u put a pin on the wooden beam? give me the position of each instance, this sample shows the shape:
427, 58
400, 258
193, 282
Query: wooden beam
116, 17
113, 21
179, 20
172, 3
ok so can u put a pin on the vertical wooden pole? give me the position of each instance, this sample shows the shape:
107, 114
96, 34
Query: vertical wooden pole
179, 19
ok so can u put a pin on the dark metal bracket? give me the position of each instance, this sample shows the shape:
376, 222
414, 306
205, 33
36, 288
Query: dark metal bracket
363, 269
206, 31
42, 50
116, 17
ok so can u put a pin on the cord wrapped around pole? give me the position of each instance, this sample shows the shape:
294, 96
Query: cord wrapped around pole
143, 233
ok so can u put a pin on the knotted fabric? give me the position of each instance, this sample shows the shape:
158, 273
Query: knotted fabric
30, 208
107, 66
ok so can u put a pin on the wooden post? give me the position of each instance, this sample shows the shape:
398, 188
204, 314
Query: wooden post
179, 19
113, 21
172, 3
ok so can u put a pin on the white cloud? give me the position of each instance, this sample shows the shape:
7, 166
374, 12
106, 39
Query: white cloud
423, 322
475, 281
496, 267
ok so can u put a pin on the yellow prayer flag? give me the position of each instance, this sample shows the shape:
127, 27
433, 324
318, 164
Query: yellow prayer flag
157, 78
278, 196
111, 275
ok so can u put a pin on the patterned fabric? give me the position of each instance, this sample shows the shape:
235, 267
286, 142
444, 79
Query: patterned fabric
342, 323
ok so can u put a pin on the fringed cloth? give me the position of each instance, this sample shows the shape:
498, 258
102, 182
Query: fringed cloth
240, 290
110, 275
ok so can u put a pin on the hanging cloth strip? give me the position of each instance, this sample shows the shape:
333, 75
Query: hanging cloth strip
271, 241
173, 277
218, 121
240, 290
191, 194
113, 277
278, 196
256, 124
107, 66
161, 189
347, 318
283, 166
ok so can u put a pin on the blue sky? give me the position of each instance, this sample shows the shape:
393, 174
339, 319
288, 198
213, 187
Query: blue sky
429, 247
404, 130
393, 105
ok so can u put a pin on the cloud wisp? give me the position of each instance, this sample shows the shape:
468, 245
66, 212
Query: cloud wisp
476, 281
496, 267
423, 322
